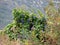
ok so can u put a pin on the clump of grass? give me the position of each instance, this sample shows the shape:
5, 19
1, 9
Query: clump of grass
26, 26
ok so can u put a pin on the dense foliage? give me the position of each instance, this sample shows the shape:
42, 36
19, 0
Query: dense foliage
26, 25
31, 28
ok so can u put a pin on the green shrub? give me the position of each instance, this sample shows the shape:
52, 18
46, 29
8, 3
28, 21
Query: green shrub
25, 25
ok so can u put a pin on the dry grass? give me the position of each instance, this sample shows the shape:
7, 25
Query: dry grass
51, 39
4, 40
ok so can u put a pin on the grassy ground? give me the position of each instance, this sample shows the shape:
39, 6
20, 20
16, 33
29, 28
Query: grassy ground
52, 39
4, 40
